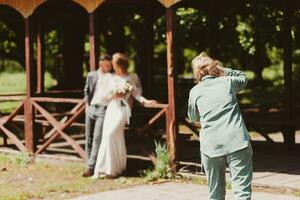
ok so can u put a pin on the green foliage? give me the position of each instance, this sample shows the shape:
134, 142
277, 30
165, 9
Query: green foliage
10, 66
162, 168
22, 159
7, 43
246, 35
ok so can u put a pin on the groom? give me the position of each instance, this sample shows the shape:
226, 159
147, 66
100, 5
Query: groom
97, 98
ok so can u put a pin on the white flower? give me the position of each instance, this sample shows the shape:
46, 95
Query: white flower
121, 86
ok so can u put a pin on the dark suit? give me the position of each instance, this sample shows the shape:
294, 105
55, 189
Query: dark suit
90, 85
93, 121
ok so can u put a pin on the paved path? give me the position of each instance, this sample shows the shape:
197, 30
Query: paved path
173, 191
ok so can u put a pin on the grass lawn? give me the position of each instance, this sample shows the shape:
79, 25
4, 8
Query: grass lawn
12, 82
8, 106
22, 179
15, 83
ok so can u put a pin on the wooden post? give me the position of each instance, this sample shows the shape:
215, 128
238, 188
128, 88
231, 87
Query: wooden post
40, 64
40, 46
172, 125
92, 39
288, 132
28, 110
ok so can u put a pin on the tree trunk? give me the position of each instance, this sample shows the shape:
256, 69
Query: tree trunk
144, 56
73, 49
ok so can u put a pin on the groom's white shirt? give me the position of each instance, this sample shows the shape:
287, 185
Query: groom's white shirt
102, 91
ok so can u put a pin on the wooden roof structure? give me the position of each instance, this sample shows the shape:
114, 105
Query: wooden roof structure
27, 7
31, 103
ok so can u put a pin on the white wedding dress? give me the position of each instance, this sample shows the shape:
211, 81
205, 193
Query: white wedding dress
112, 154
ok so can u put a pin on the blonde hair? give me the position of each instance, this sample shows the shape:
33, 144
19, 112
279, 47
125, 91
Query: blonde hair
204, 65
120, 60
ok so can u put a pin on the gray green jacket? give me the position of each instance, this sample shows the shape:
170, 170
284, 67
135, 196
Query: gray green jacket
213, 102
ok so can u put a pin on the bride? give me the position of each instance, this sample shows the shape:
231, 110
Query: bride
111, 160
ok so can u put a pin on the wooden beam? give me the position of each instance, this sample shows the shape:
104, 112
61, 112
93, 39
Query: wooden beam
14, 113
169, 3
56, 100
288, 132
25, 8
63, 120
11, 98
191, 126
7, 119
157, 105
154, 119
172, 122
40, 47
64, 91
13, 94
13, 138
92, 40
29, 113
28, 58
59, 128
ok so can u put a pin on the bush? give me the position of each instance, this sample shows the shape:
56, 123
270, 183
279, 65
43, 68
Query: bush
162, 168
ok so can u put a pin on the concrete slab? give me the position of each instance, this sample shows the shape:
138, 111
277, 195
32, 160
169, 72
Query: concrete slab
173, 191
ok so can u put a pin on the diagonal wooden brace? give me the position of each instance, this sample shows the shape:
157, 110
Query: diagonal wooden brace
60, 127
153, 119
15, 140
64, 119
14, 113
55, 133
10, 134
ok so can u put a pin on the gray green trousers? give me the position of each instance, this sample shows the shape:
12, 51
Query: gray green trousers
93, 132
240, 166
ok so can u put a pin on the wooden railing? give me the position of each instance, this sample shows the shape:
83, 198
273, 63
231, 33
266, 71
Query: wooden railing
61, 125
12, 97
66, 119
4, 121
44, 117
8, 120
163, 111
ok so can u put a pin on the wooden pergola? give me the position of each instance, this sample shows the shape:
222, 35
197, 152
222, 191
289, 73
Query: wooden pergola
35, 92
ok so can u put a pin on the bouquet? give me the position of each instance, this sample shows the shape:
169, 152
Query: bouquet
121, 86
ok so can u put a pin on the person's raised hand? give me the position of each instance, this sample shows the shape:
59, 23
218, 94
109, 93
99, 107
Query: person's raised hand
150, 102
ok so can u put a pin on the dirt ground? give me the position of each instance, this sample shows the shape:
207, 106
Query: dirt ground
22, 179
